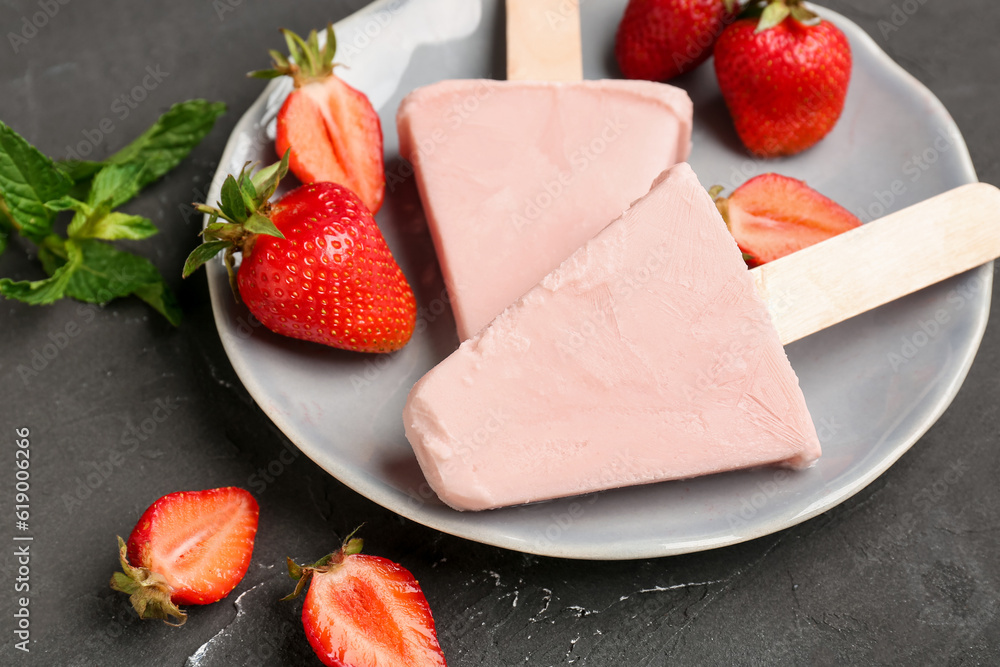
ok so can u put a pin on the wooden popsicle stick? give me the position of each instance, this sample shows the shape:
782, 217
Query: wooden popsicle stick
543, 40
881, 261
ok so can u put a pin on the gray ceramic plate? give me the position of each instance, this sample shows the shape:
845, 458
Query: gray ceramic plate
874, 384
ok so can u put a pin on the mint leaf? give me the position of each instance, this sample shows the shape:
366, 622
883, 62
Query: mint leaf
101, 223
156, 151
6, 226
79, 170
28, 179
160, 148
113, 227
107, 273
115, 184
94, 218
162, 298
53, 288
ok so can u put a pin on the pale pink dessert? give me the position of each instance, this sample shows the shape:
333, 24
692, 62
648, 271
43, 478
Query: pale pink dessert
645, 356
514, 176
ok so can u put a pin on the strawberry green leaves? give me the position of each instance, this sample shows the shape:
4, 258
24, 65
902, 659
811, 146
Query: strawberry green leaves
244, 207
773, 12
34, 190
307, 61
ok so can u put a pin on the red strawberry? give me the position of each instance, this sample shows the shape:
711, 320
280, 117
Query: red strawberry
332, 130
659, 39
365, 611
771, 216
188, 548
315, 265
784, 78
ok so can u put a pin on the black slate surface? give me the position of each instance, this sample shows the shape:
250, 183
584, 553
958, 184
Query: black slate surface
906, 572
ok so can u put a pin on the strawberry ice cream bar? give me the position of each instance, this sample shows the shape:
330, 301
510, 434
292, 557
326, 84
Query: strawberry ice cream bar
646, 356
514, 176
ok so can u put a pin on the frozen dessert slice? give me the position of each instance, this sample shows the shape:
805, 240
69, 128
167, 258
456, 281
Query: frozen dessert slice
647, 355
516, 175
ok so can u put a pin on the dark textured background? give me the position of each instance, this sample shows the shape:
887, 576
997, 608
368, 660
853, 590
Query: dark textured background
906, 572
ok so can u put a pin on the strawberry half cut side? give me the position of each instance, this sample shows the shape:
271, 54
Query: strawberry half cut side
332, 130
365, 611
771, 216
187, 548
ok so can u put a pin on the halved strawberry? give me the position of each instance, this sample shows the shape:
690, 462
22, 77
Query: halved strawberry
365, 611
771, 216
189, 547
332, 130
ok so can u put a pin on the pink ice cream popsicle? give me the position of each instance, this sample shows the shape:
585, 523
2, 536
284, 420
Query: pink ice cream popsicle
646, 356
515, 175
650, 354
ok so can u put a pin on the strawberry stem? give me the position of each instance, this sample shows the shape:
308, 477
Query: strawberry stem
148, 591
306, 61
245, 207
351, 546
772, 13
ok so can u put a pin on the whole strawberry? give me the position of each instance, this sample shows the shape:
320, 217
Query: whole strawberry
189, 547
332, 130
784, 77
365, 611
315, 265
659, 39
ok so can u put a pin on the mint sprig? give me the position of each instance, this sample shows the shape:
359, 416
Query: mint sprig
34, 189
